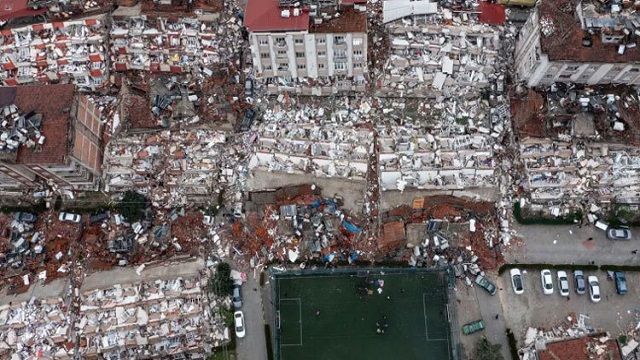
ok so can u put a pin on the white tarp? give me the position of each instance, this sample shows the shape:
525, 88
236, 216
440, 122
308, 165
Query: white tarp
397, 9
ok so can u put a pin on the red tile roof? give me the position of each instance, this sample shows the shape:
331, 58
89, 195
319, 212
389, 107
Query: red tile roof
264, 15
54, 103
491, 13
566, 41
15, 9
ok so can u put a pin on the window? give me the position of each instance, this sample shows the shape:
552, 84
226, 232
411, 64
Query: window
299, 41
565, 76
282, 52
340, 53
299, 54
634, 70
339, 66
279, 39
338, 39
572, 68
264, 41
322, 53
357, 52
301, 66
264, 55
283, 67
268, 68
320, 66
357, 41
322, 40
357, 65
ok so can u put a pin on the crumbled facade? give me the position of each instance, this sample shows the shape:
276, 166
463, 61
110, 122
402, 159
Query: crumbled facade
585, 42
67, 51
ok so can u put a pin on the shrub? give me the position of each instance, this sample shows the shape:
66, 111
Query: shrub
221, 284
132, 205
572, 218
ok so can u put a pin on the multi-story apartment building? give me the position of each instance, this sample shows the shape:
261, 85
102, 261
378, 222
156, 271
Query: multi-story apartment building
49, 135
312, 49
586, 42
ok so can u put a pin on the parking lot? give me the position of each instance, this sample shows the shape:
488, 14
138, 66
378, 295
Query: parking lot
614, 313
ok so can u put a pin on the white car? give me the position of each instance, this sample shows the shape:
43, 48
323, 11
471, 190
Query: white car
65, 216
516, 281
238, 318
594, 288
563, 283
547, 282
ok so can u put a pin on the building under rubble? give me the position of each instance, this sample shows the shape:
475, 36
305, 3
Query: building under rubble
49, 136
67, 51
580, 41
308, 47
584, 147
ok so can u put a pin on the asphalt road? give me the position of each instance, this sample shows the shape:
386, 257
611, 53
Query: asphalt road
495, 329
566, 244
253, 345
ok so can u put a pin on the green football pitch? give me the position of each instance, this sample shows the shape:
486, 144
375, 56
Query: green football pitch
343, 316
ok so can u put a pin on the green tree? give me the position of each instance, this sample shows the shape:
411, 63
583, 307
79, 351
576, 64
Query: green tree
222, 284
132, 206
486, 350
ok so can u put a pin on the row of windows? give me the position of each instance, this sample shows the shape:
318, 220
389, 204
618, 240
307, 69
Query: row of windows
336, 53
336, 40
336, 66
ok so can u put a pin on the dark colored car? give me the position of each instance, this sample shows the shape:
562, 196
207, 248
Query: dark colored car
237, 297
486, 284
25, 217
578, 275
98, 217
249, 114
472, 327
621, 282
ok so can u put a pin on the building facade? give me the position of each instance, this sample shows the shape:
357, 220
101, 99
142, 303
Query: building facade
309, 50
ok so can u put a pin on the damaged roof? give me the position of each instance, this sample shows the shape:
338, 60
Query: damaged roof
266, 15
565, 35
54, 102
15, 9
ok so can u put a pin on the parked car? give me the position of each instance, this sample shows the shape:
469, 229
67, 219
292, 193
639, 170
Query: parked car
486, 284
208, 220
71, 217
547, 282
563, 283
619, 234
237, 297
472, 327
238, 318
594, 288
247, 120
516, 281
621, 282
580, 285
98, 217
25, 217
248, 87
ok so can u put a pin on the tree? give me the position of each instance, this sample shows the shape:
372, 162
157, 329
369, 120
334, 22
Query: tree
132, 206
222, 284
486, 350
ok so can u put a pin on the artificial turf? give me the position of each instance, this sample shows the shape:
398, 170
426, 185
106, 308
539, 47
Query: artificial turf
326, 317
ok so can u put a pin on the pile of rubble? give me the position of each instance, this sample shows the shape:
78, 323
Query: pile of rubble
72, 50
36, 329
19, 129
161, 317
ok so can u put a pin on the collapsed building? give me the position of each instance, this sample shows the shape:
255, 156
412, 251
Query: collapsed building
311, 48
167, 318
69, 51
580, 41
49, 136
435, 51
583, 148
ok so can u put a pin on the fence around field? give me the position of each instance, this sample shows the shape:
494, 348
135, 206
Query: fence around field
453, 329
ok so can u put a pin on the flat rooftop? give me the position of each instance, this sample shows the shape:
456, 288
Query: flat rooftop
564, 42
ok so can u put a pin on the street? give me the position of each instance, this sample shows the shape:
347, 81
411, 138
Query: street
253, 345
566, 244
495, 329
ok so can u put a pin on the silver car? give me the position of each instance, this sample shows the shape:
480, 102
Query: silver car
65, 216
578, 275
619, 234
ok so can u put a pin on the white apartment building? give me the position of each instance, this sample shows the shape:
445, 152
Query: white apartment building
580, 42
310, 50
